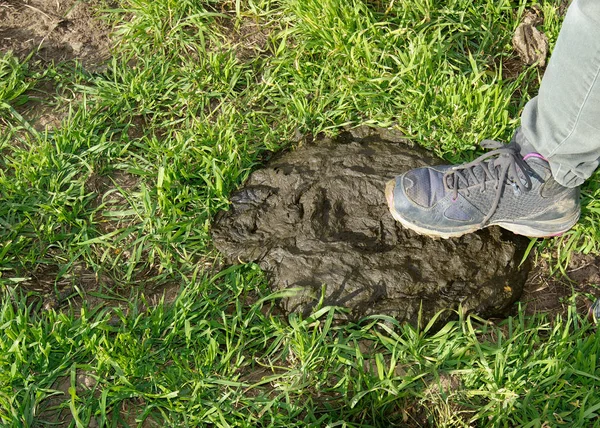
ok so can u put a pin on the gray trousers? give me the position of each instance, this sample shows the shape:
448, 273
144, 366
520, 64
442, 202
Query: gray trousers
563, 122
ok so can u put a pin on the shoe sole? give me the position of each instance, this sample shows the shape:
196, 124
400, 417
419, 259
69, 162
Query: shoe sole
519, 229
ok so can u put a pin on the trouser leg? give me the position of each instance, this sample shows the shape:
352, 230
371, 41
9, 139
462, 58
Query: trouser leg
563, 122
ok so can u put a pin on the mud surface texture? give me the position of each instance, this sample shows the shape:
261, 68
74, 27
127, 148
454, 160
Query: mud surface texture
56, 30
318, 216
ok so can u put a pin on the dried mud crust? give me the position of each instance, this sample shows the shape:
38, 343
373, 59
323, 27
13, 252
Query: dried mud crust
58, 30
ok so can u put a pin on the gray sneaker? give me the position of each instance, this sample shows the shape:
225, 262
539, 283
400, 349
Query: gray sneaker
501, 187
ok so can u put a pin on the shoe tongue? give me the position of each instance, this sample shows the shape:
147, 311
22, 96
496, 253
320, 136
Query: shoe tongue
539, 166
525, 147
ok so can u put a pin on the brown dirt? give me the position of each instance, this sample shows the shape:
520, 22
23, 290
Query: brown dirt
57, 30
111, 194
52, 31
250, 39
552, 294
247, 37
514, 65
61, 290
55, 412
53, 409
46, 108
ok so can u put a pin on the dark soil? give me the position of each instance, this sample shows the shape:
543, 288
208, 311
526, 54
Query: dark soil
56, 30
547, 289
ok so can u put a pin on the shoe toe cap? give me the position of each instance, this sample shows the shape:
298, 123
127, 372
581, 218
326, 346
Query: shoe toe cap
397, 197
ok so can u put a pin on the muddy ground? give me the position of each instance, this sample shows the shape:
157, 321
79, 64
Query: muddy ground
52, 31
550, 293
55, 30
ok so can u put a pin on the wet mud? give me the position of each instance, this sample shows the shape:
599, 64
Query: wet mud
316, 218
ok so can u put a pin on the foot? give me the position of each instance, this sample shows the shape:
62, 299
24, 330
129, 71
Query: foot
502, 187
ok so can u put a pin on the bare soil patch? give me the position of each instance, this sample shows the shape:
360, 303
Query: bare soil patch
80, 286
47, 106
250, 39
57, 30
552, 294
52, 31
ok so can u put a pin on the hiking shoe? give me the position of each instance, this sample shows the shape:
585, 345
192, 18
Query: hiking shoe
594, 312
501, 187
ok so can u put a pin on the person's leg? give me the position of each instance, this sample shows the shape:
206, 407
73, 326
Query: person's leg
563, 122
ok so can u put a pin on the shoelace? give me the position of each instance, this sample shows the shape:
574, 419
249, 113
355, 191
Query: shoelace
506, 162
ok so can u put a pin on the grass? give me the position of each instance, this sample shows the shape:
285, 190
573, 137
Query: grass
195, 96
215, 358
